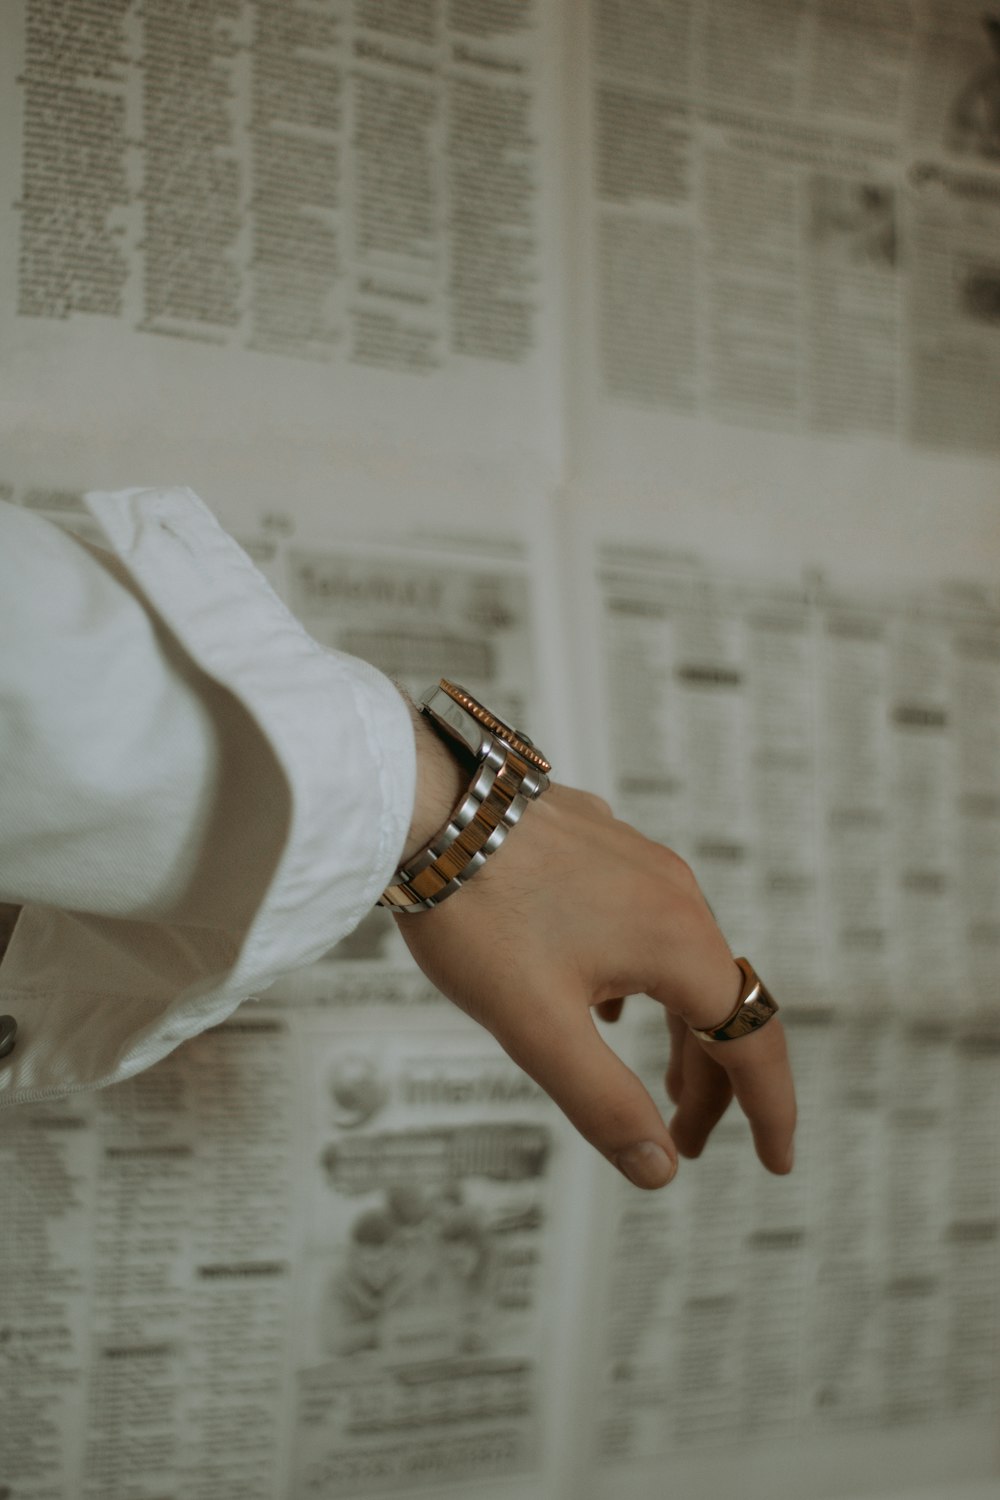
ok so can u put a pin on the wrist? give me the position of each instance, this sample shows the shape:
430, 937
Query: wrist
441, 783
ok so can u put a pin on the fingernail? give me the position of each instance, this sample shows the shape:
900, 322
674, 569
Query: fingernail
790, 1158
646, 1164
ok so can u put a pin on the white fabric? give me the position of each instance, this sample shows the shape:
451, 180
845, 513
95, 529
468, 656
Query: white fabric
194, 795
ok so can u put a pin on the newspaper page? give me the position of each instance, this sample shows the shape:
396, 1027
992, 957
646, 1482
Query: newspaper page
424, 1343
322, 213
792, 209
826, 759
312, 1252
297, 1258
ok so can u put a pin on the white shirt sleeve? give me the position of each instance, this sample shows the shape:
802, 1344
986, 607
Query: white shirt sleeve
195, 796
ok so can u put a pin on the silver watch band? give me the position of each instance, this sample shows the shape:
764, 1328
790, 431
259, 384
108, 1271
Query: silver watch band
501, 790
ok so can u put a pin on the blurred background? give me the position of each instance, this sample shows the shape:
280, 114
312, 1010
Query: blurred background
639, 366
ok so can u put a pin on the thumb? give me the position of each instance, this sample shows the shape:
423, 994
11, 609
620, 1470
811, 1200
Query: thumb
558, 1044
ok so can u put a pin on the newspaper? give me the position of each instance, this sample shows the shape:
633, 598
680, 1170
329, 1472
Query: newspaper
267, 176
296, 1259
318, 1250
421, 1357
311, 218
421, 1354
311, 1253
715, 274
795, 211
826, 761
822, 759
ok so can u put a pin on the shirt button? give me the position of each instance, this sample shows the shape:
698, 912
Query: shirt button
8, 1034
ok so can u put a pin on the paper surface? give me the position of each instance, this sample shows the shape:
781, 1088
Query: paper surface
638, 366
820, 764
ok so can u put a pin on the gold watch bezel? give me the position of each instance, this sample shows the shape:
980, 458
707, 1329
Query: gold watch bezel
515, 738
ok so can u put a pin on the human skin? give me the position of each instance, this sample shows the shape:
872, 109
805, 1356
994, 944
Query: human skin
575, 910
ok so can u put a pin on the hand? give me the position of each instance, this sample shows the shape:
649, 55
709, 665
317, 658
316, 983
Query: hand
575, 910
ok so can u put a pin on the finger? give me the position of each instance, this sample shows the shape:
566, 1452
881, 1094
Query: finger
675, 1066
710, 991
610, 1010
705, 1097
760, 1073
559, 1045
757, 1065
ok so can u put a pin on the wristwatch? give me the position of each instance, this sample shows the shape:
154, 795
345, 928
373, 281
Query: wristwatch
508, 772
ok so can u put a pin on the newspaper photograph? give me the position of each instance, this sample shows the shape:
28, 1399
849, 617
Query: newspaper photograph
429, 1196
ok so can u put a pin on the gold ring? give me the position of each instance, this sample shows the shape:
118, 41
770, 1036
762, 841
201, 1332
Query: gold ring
754, 1009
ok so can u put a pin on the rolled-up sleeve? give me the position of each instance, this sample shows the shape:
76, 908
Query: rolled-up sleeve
194, 796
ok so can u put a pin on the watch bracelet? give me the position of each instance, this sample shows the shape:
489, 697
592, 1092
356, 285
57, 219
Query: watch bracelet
497, 797
479, 789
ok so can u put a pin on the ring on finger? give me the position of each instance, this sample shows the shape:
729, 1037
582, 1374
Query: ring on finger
754, 1009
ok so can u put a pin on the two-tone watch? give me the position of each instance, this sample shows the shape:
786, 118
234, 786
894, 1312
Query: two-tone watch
508, 773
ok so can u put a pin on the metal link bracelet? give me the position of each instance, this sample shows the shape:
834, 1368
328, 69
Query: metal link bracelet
494, 803
510, 773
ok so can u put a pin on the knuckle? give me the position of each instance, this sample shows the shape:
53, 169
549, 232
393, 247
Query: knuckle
677, 873
598, 805
684, 876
